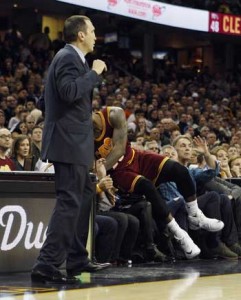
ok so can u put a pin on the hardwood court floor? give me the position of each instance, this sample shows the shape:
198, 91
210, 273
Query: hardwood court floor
182, 280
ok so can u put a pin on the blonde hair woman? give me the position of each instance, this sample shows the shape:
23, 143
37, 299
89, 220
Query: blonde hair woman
222, 156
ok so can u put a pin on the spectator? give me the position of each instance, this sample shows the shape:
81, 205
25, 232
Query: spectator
21, 128
6, 164
140, 141
106, 229
228, 247
36, 142
22, 96
20, 152
222, 157
212, 140
58, 43
37, 115
204, 131
232, 151
174, 133
11, 103
168, 124
30, 123
129, 108
128, 225
163, 134
141, 127
235, 140
2, 119
30, 104
235, 166
16, 118
152, 146
134, 119
155, 135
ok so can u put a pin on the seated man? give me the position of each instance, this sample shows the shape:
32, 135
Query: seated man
106, 229
141, 172
127, 224
152, 146
6, 163
228, 246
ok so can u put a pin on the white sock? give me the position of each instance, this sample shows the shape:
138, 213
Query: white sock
192, 208
175, 229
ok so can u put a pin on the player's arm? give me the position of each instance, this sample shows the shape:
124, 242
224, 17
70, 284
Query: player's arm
119, 139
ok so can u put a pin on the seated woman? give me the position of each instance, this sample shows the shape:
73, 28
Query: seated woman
21, 153
235, 166
222, 156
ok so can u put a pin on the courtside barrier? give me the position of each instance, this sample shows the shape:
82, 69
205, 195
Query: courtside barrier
26, 203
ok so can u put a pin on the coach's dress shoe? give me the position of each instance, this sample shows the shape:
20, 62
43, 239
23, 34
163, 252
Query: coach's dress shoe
49, 274
90, 267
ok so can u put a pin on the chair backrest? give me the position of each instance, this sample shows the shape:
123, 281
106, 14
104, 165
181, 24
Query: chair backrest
29, 163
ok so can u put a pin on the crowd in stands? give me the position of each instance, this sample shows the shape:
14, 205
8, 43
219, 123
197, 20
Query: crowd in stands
161, 110
221, 6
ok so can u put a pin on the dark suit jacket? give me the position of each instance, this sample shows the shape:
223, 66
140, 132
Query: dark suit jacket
68, 131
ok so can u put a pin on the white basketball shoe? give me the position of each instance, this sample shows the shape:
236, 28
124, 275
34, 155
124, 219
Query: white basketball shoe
189, 248
201, 221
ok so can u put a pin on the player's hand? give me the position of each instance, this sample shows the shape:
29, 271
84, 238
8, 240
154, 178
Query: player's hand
99, 66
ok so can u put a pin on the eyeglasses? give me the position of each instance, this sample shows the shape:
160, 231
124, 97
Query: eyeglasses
5, 136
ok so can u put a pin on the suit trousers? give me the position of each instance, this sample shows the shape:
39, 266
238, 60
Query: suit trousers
68, 227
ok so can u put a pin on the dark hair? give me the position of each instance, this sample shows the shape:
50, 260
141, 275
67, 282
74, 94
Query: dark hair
16, 144
72, 26
139, 111
17, 127
37, 127
31, 99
